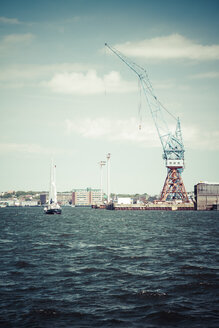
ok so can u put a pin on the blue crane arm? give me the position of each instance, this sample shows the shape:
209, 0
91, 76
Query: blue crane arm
172, 143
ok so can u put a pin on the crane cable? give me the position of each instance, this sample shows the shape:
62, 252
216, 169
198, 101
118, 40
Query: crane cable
104, 80
139, 105
149, 89
143, 77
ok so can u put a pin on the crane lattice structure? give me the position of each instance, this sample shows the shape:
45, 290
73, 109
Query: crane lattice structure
172, 143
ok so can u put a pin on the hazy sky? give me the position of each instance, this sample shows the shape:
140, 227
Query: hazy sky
64, 96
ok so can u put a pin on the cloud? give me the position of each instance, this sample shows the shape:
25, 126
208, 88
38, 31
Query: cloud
9, 42
88, 83
127, 131
7, 20
119, 130
51, 76
66, 78
197, 138
28, 149
207, 75
17, 38
24, 73
174, 46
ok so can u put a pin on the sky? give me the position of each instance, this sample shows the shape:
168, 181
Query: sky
64, 96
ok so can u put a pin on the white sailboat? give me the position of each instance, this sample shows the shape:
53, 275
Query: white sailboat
53, 206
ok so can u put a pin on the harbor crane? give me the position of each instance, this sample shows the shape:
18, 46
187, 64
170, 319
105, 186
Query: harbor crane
172, 143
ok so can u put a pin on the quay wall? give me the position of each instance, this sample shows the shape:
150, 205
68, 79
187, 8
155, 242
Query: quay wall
148, 207
154, 208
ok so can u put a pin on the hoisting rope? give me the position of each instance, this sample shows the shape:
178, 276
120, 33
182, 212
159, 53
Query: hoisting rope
142, 75
139, 105
104, 81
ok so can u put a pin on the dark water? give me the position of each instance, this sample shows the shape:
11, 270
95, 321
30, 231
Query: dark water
98, 268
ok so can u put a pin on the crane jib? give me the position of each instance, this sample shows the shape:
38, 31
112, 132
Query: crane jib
154, 104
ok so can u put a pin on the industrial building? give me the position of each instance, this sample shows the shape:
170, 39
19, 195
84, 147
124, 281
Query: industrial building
86, 197
206, 196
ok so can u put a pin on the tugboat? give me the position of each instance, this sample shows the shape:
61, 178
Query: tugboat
53, 206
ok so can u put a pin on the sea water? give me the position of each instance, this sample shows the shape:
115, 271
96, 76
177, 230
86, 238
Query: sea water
99, 268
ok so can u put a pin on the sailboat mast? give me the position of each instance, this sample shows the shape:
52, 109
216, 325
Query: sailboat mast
52, 190
54, 183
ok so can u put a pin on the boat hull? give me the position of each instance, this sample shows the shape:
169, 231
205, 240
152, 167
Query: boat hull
52, 211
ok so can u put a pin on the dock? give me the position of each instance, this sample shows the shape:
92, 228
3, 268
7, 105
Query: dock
148, 207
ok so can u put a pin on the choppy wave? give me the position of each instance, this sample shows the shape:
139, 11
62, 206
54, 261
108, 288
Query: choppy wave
93, 268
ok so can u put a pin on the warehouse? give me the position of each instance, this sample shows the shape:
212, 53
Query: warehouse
206, 196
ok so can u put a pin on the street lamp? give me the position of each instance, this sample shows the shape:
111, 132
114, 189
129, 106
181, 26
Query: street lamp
108, 177
101, 163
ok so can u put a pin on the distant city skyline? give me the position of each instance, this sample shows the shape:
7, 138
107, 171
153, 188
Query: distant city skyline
64, 96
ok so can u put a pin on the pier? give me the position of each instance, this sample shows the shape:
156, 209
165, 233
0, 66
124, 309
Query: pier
148, 207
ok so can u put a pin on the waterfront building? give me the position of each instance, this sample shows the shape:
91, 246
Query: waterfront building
29, 203
206, 196
64, 198
42, 199
95, 196
86, 197
125, 200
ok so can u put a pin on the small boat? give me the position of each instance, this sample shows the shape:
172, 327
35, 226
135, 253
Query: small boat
50, 209
53, 207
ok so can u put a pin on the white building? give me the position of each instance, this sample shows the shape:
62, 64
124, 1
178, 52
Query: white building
125, 200
29, 203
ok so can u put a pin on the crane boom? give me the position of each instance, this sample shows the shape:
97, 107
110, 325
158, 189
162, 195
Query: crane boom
172, 143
